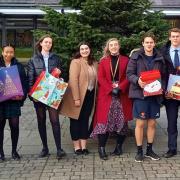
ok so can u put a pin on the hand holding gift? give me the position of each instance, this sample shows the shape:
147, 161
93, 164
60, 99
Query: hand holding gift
17, 98
141, 83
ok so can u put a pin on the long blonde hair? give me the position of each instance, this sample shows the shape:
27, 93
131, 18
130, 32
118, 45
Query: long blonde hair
106, 51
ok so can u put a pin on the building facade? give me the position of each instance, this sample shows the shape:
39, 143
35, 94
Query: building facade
171, 8
19, 17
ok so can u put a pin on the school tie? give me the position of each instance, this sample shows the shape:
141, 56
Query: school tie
176, 59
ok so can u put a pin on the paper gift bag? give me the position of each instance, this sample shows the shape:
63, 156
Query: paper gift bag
153, 82
48, 90
174, 86
10, 83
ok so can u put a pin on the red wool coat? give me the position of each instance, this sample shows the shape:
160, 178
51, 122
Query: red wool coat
104, 97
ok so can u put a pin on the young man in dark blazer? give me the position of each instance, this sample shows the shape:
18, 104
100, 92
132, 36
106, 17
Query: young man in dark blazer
171, 53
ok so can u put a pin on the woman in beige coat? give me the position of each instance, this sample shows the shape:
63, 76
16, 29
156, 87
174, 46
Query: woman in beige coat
78, 100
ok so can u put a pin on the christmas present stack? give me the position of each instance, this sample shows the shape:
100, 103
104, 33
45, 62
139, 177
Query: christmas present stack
174, 86
10, 83
49, 89
153, 83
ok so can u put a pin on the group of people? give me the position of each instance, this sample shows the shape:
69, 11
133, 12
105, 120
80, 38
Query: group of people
109, 92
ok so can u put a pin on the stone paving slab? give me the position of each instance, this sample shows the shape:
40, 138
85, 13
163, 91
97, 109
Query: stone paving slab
90, 167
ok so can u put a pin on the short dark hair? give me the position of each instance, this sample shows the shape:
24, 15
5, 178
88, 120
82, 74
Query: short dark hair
148, 34
173, 30
8, 45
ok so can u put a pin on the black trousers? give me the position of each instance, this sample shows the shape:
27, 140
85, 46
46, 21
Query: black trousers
14, 127
54, 119
172, 108
79, 127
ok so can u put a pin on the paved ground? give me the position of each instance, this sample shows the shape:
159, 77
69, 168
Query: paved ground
90, 167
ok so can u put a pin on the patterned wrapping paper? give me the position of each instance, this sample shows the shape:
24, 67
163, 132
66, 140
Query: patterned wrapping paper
10, 83
153, 80
49, 90
174, 86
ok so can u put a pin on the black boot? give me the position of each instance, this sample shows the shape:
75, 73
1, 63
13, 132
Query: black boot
102, 153
118, 150
2, 157
60, 153
15, 155
44, 153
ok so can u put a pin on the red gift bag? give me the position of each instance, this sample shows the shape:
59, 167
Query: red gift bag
153, 82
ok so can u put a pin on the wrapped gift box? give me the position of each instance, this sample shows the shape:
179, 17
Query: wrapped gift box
48, 89
174, 86
10, 83
153, 82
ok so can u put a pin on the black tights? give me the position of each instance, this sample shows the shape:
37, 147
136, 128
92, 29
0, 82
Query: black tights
54, 119
14, 126
102, 138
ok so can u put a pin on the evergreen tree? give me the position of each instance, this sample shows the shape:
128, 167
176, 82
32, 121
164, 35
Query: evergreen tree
102, 19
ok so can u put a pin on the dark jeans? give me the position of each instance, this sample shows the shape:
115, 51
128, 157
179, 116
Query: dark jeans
54, 119
14, 126
172, 108
79, 127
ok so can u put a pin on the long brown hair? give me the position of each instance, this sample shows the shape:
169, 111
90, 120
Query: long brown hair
39, 47
90, 59
106, 51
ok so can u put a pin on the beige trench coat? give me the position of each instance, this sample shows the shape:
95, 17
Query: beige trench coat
77, 87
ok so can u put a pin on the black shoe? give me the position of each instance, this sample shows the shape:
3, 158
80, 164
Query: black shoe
44, 153
2, 157
139, 157
170, 153
117, 151
85, 152
78, 152
102, 153
15, 155
152, 155
60, 153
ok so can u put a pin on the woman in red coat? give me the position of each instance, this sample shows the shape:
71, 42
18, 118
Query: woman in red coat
113, 107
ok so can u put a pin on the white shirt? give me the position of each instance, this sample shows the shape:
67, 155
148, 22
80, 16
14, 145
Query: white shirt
46, 57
